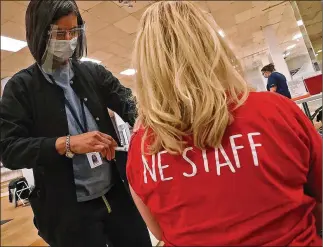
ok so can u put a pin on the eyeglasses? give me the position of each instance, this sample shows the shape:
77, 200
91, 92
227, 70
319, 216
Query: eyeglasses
62, 34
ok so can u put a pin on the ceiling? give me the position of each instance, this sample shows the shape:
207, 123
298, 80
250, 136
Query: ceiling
111, 28
311, 13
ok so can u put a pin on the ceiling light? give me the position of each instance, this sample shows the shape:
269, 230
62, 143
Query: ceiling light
319, 51
221, 33
300, 23
84, 59
13, 45
128, 72
297, 36
290, 47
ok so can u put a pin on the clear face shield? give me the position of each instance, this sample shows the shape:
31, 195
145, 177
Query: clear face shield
62, 45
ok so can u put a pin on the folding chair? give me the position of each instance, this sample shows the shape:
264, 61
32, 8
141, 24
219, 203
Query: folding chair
22, 192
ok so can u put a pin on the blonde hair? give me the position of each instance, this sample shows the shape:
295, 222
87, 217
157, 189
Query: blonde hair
185, 81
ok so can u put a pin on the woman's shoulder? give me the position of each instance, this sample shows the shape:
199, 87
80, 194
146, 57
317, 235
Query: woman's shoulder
137, 136
142, 137
262, 98
269, 104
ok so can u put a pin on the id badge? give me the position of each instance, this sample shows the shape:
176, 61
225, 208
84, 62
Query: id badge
94, 159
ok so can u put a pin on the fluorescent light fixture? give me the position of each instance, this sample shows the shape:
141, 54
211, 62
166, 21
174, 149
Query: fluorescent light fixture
319, 51
297, 36
290, 47
300, 23
221, 33
128, 72
84, 59
13, 45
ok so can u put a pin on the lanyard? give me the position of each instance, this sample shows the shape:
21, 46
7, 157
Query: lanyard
83, 127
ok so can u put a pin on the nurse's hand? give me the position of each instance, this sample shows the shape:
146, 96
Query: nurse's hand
94, 141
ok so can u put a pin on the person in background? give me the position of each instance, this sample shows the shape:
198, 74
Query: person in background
276, 81
53, 116
200, 166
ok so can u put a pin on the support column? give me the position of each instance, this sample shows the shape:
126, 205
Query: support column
275, 52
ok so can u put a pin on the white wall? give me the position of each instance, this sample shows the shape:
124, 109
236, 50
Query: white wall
304, 62
255, 79
297, 62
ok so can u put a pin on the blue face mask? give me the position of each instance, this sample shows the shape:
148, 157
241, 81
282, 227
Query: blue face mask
62, 49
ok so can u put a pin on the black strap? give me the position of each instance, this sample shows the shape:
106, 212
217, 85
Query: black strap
84, 127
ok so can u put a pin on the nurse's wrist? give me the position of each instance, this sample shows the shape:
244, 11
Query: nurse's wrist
60, 145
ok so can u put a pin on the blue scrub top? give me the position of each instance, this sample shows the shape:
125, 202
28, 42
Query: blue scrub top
278, 80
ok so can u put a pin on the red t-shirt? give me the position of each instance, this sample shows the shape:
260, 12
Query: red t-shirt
249, 191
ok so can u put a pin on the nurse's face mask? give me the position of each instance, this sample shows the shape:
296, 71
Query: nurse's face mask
63, 39
266, 74
62, 49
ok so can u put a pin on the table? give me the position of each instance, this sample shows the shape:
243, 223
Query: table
304, 102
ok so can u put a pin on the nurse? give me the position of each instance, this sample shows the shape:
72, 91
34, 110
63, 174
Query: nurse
54, 120
276, 81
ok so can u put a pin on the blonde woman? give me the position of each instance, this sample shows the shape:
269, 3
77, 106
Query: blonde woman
212, 163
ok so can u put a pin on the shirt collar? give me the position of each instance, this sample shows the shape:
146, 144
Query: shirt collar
48, 75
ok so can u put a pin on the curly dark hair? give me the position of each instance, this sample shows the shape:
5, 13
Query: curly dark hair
270, 67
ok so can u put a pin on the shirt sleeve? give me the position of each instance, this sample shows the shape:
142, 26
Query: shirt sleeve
314, 179
313, 186
118, 98
18, 148
272, 81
